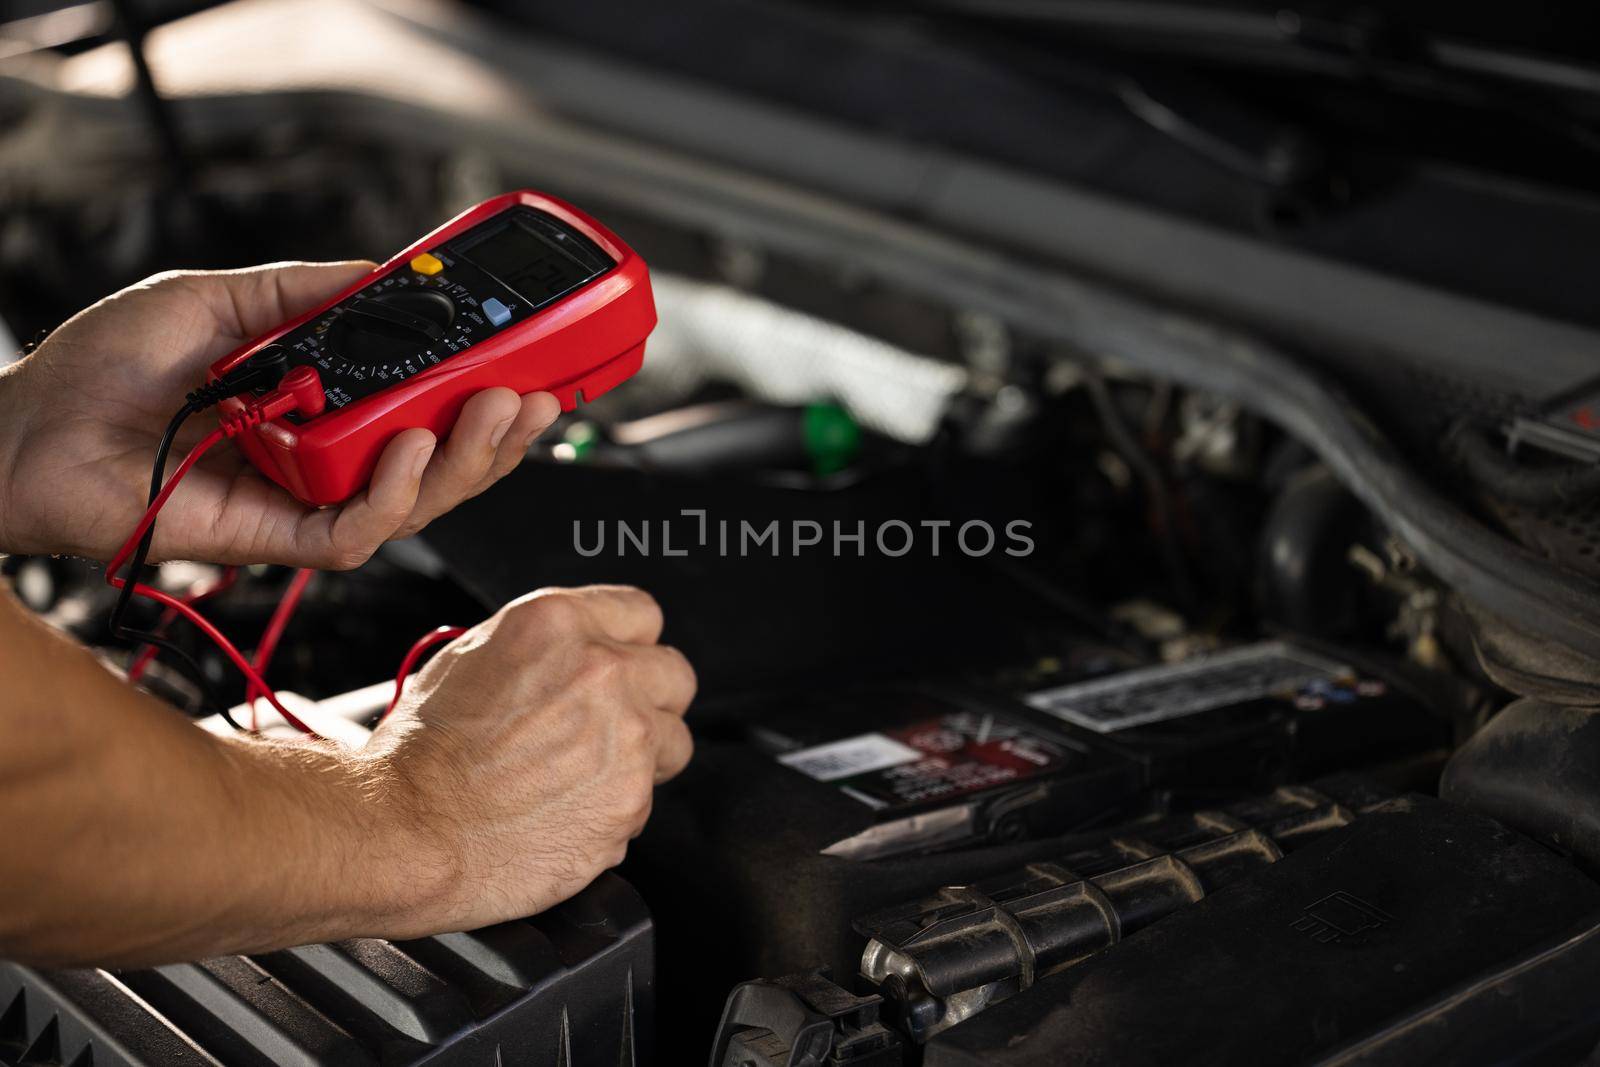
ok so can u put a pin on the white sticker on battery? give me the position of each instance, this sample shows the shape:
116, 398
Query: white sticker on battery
1155, 694
853, 755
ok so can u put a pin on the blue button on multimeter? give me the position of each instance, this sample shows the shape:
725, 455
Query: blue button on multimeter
497, 312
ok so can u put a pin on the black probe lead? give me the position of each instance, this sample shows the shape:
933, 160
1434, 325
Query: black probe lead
137, 564
209, 698
196, 401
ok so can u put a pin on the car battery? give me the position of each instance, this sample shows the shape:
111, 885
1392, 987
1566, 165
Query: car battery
1252, 717
798, 815
939, 771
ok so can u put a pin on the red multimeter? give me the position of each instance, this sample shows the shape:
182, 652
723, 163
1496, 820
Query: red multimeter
522, 291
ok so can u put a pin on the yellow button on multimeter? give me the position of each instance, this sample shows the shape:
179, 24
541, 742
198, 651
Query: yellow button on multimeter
427, 263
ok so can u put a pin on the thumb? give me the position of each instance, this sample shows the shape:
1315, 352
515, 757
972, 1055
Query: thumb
251, 301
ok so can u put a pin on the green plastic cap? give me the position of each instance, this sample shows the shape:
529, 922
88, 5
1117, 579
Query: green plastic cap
833, 438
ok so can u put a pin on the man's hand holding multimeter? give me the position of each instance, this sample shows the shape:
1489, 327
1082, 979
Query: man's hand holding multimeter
81, 417
522, 291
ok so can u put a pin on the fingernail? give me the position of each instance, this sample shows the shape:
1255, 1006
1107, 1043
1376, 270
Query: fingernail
420, 463
498, 434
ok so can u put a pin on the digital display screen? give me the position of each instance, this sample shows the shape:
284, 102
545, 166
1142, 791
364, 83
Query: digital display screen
531, 264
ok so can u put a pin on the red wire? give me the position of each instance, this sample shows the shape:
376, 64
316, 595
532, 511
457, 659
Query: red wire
217, 637
147, 655
274, 631
221, 641
280, 620
426, 641
149, 517
256, 686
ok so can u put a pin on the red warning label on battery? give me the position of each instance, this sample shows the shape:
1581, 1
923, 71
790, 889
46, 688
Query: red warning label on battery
932, 760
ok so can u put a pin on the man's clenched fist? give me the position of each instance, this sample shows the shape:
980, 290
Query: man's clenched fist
527, 751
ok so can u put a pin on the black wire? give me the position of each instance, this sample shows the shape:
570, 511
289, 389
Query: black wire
265, 366
136, 568
197, 400
136, 565
208, 694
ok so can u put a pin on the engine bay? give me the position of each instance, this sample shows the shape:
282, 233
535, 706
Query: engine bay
1078, 669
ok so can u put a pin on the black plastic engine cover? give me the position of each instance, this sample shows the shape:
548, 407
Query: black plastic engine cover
1420, 933
774, 615
572, 986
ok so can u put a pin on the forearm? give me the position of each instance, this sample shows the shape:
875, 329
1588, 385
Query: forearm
141, 839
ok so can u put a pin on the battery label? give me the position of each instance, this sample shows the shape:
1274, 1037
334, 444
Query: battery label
1155, 694
932, 760
853, 755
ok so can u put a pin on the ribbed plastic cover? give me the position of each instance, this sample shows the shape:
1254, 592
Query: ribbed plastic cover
573, 986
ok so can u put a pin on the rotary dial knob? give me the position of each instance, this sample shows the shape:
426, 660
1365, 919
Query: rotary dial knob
387, 329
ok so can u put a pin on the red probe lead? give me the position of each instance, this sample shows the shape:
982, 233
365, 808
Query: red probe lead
179, 606
425, 642
268, 645
300, 391
147, 655
290, 600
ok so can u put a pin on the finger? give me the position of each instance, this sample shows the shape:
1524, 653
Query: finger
247, 303
642, 819
674, 747
538, 411
342, 538
621, 612
461, 466
665, 675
